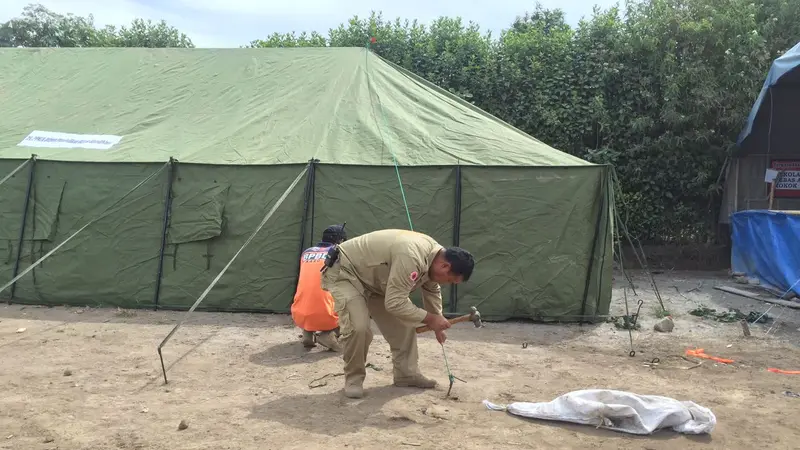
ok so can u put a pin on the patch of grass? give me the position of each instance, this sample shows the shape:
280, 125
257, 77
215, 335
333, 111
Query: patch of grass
660, 313
732, 315
624, 323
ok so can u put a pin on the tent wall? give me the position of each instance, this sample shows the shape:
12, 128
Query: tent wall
13, 195
368, 198
542, 236
110, 263
114, 262
538, 233
214, 211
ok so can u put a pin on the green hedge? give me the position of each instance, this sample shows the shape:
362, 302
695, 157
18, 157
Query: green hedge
660, 89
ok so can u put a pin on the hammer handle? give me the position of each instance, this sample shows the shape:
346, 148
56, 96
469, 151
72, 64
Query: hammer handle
459, 319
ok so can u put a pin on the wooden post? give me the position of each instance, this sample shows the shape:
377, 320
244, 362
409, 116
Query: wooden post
771, 194
745, 328
772, 190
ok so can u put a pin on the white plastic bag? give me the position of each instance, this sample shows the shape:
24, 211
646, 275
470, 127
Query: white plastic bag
619, 411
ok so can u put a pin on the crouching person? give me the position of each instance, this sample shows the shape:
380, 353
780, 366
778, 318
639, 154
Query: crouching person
313, 308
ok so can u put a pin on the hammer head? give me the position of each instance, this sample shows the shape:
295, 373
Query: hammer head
475, 317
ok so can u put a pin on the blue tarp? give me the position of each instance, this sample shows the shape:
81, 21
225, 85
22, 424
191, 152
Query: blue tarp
766, 246
779, 68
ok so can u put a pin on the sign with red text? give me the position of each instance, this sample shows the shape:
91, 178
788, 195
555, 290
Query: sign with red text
787, 184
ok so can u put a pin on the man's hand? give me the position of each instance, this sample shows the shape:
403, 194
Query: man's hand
441, 336
436, 322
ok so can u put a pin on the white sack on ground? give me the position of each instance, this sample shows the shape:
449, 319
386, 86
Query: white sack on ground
618, 411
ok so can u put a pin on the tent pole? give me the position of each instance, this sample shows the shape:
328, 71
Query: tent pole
312, 194
456, 235
31, 175
592, 254
164, 228
304, 220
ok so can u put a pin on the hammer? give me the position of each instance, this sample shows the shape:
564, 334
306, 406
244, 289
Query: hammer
474, 317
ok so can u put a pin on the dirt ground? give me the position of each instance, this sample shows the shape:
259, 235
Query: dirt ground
79, 378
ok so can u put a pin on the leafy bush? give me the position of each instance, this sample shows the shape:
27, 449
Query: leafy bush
660, 90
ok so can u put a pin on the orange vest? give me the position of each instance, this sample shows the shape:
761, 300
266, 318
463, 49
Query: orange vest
312, 309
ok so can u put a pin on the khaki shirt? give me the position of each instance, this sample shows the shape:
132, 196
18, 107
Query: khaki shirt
392, 263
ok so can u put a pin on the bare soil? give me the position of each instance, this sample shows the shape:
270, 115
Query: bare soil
79, 378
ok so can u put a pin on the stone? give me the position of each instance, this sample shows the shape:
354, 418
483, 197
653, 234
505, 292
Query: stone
665, 325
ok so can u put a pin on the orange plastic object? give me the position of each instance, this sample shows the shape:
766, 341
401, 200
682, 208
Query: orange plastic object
700, 353
786, 372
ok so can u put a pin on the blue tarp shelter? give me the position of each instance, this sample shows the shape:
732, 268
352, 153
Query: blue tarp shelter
773, 125
770, 139
765, 243
766, 246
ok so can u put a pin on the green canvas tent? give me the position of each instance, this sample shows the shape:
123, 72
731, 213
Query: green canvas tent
241, 125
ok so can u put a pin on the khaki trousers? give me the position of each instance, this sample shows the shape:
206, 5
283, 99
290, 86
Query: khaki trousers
354, 306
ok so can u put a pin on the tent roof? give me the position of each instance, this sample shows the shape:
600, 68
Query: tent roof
780, 67
249, 106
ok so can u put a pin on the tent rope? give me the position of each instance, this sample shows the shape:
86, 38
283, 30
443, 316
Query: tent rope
368, 69
624, 228
7, 177
224, 269
108, 211
386, 124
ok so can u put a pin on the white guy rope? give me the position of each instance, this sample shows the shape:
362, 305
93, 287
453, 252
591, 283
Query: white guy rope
15, 171
775, 322
224, 269
762, 314
105, 213
777, 319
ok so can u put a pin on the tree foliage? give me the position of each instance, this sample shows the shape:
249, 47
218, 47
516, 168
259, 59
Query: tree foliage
41, 27
658, 88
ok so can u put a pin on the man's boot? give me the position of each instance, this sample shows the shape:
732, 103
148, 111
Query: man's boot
353, 389
328, 340
417, 381
308, 339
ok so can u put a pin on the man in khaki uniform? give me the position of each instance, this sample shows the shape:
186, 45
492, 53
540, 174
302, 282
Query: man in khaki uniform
373, 275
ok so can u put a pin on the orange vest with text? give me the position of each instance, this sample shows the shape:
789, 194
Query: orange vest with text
312, 308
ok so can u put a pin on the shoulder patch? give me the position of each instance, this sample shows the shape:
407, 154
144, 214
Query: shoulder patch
413, 277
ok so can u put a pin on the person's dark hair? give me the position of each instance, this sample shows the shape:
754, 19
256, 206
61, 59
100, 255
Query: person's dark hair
334, 234
461, 261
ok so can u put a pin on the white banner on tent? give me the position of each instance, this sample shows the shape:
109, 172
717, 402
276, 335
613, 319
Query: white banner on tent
54, 139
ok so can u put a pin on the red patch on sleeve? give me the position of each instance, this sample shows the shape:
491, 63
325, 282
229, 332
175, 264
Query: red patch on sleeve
413, 277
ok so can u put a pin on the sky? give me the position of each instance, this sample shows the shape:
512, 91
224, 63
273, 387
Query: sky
231, 23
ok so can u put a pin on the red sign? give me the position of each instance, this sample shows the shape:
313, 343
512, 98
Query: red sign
788, 182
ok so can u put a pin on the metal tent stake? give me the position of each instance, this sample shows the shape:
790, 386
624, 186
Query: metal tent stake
452, 378
163, 369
